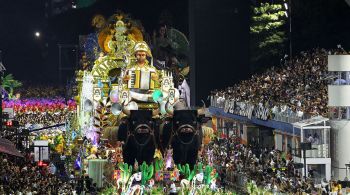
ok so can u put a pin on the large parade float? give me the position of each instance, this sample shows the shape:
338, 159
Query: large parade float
133, 131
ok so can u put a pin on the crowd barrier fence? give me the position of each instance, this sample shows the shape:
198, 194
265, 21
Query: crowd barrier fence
287, 115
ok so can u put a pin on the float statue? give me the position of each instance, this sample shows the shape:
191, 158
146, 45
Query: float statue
122, 81
124, 93
126, 100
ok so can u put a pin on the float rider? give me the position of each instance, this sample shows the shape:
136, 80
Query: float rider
141, 52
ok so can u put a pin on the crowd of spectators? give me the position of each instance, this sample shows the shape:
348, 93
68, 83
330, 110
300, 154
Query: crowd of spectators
40, 91
267, 168
40, 104
298, 86
41, 111
45, 119
24, 177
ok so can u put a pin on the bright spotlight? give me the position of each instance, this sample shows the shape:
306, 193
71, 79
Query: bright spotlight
285, 13
286, 5
37, 34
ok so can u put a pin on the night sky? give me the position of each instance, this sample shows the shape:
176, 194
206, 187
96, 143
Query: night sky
22, 54
35, 60
316, 23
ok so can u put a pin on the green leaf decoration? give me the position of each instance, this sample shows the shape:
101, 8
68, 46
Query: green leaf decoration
147, 172
158, 165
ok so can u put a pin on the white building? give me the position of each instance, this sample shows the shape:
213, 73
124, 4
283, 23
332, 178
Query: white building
339, 105
315, 131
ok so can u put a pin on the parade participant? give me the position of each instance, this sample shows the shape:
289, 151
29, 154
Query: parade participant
141, 51
140, 77
161, 44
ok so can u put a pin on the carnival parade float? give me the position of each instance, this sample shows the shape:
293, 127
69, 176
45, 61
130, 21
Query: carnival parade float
129, 125
133, 128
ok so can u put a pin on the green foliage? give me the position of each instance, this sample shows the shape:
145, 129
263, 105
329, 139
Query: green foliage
52, 147
156, 191
158, 165
267, 33
207, 175
147, 172
185, 191
199, 167
126, 171
267, 17
184, 169
187, 172
109, 191
9, 84
205, 190
252, 188
58, 140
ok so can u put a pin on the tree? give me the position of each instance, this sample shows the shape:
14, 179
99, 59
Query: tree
267, 35
9, 84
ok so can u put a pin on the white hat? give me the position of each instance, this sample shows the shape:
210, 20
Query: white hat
142, 46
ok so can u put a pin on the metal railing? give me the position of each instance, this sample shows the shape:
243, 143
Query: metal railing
287, 116
234, 181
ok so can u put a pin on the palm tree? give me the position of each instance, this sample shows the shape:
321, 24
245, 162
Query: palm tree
9, 84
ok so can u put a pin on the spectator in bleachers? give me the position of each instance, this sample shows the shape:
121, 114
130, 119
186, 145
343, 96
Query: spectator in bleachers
298, 87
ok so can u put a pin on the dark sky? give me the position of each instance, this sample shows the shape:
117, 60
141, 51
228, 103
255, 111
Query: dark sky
36, 59
22, 53
320, 23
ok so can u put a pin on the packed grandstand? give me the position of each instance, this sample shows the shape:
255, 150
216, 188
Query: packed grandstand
297, 87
